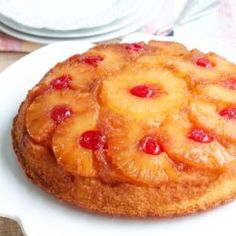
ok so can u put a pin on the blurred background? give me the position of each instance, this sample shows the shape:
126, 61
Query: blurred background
26, 25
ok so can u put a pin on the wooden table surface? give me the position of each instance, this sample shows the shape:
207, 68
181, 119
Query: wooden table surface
9, 227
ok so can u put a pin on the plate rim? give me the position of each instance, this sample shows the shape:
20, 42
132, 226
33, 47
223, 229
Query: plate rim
97, 38
63, 34
106, 19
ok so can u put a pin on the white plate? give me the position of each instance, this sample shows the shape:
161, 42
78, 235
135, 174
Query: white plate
67, 14
153, 8
42, 215
115, 25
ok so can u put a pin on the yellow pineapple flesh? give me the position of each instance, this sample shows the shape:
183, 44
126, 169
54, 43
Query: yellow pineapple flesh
67, 148
192, 145
40, 114
77, 76
161, 54
143, 93
137, 154
217, 92
168, 48
114, 57
199, 67
221, 64
215, 118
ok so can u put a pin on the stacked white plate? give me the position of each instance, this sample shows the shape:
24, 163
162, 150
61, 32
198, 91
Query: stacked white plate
47, 21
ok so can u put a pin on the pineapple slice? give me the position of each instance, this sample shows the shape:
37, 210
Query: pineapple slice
143, 93
75, 141
199, 67
192, 73
78, 76
157, 60
137, 154
217, 92
162, 54
219, 120
221, 64
51, 108
107, 122
231, 148
192, 145
113, 57
168, 48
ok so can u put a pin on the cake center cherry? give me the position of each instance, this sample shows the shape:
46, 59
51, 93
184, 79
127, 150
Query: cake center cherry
150, 146
137, 47
61, 82
143, 91
92, 139
228, 113
200, 136
204, 62
92, 60
60, 113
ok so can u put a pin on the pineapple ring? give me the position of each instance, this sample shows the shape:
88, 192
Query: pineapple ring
221, 64
206, 115
217, 92
114, 57
162, 53
116, 93
39, 124
82, 76
169, 48
126, 155
157, 61
188, 68
206, 154
67, 149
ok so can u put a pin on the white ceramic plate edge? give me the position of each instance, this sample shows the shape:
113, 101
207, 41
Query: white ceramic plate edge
98, 38
115, 25
111, 12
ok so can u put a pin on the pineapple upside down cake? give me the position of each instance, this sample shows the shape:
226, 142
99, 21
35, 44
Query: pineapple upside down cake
133, 129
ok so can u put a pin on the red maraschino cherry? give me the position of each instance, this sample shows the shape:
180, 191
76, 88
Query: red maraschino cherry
200, 136
150, 146
92, 139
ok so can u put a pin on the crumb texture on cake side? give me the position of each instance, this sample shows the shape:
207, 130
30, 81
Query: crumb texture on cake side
135, 130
